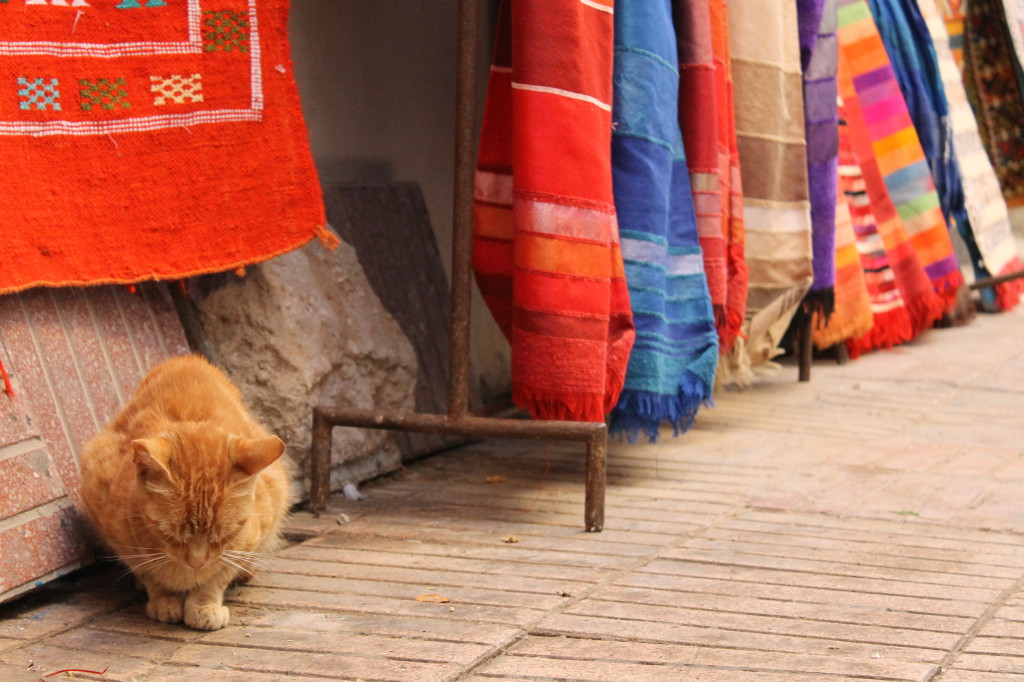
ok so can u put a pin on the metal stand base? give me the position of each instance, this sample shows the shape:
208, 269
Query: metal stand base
593, 434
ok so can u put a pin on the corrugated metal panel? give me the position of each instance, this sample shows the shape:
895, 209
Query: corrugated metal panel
74, 356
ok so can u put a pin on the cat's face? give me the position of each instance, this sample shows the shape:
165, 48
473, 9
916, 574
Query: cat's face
196, 487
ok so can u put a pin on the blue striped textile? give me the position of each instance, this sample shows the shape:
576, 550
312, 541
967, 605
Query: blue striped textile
672, 367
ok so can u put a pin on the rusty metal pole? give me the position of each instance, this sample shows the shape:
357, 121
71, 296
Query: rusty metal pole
597, 453
320, 463
993, 281
465, 118
805, 347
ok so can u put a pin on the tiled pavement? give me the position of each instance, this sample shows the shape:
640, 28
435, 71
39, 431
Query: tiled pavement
867, 525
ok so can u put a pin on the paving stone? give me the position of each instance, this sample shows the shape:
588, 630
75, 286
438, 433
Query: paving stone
286, 663
884, 553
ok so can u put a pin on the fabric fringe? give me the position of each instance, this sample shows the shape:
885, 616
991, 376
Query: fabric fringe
820, 303
736, 369
559, 406
889, 329
646, 411
328, 239
947, 288
1008, 293
838, 330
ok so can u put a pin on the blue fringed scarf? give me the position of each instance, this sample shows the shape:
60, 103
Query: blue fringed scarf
672, 366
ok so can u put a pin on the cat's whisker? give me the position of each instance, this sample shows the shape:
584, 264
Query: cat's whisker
150, 564
259, 554
233, 565
247, 558
139, 556
252, 567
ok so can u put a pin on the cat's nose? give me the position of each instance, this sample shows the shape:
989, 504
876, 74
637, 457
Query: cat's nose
197, 556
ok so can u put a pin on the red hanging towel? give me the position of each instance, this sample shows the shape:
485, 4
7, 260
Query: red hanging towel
545, 239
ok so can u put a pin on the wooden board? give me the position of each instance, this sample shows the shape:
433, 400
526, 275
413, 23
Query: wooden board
390, 229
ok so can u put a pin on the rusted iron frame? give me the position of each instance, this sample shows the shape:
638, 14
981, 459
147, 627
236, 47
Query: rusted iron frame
458, 420
993, 281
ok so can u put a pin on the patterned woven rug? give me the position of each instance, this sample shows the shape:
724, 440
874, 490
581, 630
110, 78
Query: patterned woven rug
146, 139
991, 75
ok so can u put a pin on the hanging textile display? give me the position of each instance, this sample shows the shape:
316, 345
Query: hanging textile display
898, 155
545, 240
698, 119
852, 314
953, 14
730, 180
886, 264
923, 304
819, 53
149, 141
672, 365
987, 222
773, 160
991, 78
1014, 11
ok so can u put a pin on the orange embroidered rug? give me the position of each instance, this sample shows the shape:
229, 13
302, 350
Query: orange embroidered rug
149, 139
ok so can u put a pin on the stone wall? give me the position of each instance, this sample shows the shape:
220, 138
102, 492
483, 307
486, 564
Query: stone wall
304, 329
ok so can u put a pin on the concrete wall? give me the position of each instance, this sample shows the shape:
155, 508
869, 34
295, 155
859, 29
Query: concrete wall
377, 81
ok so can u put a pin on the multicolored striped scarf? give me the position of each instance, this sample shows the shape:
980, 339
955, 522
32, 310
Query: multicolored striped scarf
672, 366
988, 221
889, 321
771, 139
896, 147
819, 53
913, 60
709, 135
545, 239
991, 77
923, 304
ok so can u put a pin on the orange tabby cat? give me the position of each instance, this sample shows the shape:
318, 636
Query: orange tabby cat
187, 488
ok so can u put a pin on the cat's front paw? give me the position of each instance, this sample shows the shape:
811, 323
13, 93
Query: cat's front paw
206, 616
165, 609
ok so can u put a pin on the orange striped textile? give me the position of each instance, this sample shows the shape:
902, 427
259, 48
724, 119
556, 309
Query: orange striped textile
730, 181
149, 140
852, 315
546, 251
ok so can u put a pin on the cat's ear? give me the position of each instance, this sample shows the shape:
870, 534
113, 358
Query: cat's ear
253, 455
151, 458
